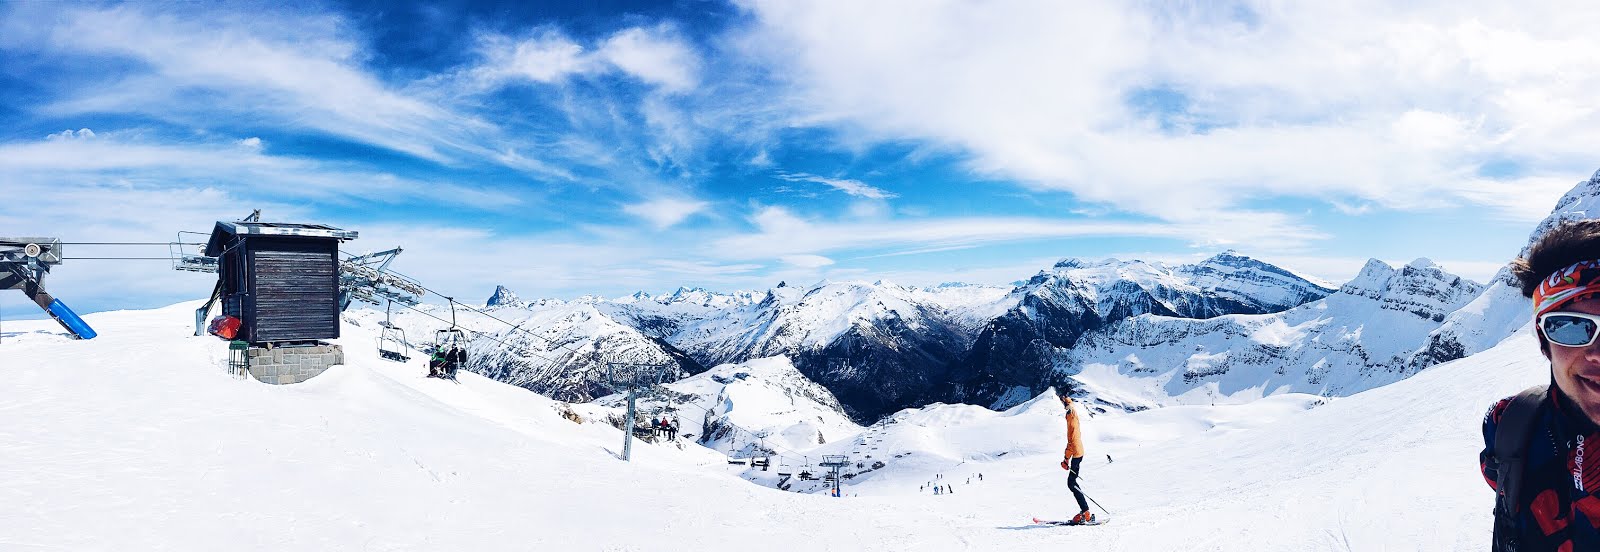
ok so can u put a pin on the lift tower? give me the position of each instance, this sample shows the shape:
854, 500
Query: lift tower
24, 262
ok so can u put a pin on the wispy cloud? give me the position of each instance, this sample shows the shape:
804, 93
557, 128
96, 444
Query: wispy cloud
853, 187
58, 166
654, 55
780, 232
666, 212
302, 70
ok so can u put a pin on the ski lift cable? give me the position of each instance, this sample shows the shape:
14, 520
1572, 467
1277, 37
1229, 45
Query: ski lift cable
476, 335
517, 327
131, 243
454, 303
483, 335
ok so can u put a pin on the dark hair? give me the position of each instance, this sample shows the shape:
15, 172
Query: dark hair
1561, 247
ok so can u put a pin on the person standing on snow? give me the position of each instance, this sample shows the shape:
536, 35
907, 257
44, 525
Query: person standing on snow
1072, 461
1541, 452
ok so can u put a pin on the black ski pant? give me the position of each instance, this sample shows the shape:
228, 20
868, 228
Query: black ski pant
1072, 484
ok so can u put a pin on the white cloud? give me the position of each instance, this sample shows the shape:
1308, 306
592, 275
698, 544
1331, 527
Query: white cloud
665, 213
853, 187
806, 261
656, 56
1391, 105
82, 133
549, 57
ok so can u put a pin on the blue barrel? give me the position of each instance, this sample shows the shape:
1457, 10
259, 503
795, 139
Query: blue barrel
70, 320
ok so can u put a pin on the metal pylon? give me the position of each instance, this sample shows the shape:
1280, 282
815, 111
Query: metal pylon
632, 377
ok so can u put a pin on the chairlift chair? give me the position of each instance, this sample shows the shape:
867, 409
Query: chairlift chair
391, 339
449, 340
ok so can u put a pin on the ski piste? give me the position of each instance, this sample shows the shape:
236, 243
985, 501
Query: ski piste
1097, 521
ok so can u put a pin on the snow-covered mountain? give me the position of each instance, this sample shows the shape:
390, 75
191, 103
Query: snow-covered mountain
1502, 309
878, 347
1358, 338
874, 345
1014, 357
564, 352
556, 348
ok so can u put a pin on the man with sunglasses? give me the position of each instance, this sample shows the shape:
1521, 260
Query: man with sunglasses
1542, 447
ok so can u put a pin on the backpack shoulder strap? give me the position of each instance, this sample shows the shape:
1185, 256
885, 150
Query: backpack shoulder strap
1510, 456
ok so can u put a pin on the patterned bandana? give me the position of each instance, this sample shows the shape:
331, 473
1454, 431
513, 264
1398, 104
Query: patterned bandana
1566, 285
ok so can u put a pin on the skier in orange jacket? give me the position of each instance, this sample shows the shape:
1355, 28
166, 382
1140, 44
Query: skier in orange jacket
1072, 461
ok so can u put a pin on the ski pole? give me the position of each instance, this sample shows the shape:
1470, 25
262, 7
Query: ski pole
1086, 495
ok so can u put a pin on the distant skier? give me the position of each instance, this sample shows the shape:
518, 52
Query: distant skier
1072, 461
1539, 446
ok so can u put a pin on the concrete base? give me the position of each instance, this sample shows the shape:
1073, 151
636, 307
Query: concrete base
285, 365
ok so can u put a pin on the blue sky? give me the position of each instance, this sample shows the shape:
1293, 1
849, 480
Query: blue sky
571, 148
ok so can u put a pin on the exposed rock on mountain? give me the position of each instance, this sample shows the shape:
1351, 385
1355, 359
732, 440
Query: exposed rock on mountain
1355, 339
1015, 356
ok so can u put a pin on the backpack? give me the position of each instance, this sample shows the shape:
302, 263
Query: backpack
1510, 455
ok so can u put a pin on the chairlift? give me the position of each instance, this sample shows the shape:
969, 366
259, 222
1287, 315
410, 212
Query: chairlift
449, 348
391, 339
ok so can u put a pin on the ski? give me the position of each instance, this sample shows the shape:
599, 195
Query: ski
1097, 521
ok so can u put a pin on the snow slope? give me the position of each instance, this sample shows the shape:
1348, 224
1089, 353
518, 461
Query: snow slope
732, 406
138, 440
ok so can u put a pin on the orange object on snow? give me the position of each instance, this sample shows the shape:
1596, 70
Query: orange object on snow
226, 327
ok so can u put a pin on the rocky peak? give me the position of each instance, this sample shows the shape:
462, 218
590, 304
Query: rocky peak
1581, 202
1421, 287
1371, 281
503, 297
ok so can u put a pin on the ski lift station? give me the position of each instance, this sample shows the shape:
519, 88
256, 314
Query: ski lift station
278, 284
